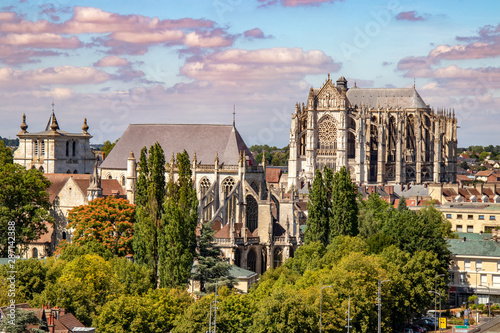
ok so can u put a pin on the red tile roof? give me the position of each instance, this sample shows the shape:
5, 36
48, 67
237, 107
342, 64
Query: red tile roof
273, 175
70, 321
47, 236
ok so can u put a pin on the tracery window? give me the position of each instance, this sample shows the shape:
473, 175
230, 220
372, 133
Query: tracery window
254, 187
43, 147
34, 253
252, 213
327, 136
227, 186
36, 148
204, 186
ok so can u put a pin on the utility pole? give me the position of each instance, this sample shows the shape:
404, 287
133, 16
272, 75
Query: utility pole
379, 299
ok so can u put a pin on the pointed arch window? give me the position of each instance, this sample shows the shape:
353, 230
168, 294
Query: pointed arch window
207, 210
327, 136
252, 213
34, 253
227, 186
278, 257
252, 260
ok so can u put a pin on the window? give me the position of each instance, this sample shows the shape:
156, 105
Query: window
496, 280
459, 228
35, 253
481, 217
74, 148
452, 277
492, 217
470, 228
462, 278
459, 216
467, 264
448, 216
479, 264
470, 217
498, 266
484, 279
36, 148
43, 147
67, 148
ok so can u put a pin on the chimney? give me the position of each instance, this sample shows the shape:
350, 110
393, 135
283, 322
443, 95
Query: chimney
56, 312
62, 312
50, 323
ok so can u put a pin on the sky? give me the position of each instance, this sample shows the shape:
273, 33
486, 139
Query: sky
159, 61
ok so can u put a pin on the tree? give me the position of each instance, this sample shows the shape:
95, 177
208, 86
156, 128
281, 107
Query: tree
30, 278
108, 146
210, 267
134, 278
84, 286
402, 204
344, 211
69, 251
372, 214
22, 319
150, 197
109, 221
178, 235
24, 206
318, 208
5, 154
464, 165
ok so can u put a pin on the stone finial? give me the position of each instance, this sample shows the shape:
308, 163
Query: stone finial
216, 158
54, 126
24, 126
85, 127
131, 156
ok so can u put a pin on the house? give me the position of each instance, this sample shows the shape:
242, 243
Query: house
474, 268
56, 319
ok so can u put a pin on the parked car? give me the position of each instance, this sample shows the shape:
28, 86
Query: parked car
417, 328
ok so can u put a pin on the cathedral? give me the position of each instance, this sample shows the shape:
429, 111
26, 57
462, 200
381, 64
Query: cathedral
254, 221
381, 135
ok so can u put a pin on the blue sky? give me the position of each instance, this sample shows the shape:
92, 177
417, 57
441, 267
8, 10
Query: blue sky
122, 62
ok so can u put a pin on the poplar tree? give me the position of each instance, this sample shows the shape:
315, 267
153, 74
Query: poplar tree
344, 212
150, 196
318, 209
178, 236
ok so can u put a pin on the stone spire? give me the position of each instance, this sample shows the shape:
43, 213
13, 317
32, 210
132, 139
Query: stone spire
94, 190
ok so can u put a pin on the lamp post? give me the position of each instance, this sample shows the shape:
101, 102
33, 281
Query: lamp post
435, 291
321, 305
477, 294
439, 294
379, 299
489, 301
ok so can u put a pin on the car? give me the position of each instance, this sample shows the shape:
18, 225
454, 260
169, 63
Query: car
417, 328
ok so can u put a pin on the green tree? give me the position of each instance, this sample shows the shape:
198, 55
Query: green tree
134, 278
84, 286
464, 165
211, 267
69, 251
5, 154
30, 278
344, 211
318, 208
108, 146
178, 235
402, 204
24, 206
149, 208
372, 214
22, 319
109, 221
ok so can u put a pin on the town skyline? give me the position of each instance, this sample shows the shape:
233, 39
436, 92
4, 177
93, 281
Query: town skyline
120, 62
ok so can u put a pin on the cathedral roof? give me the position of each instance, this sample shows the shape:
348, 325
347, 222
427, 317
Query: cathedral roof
383, 97
206, 140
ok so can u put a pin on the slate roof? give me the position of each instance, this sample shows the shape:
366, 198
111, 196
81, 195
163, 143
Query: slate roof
239, 272
205, 140
383, 97
474, 245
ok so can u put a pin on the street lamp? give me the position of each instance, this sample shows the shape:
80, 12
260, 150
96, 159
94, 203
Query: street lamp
321, 305
435, 292
477, 294
489, 301
379, 299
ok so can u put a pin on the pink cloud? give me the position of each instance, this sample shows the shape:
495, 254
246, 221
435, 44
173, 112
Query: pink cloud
260, 65
254, 33
12, 55
213, 39
43, 40
148, 37
52, 75
409, 16
112, 61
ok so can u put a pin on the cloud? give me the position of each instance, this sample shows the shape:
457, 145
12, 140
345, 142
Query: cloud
112, 61
43, 40
259, 65
52, 76
409, 16
255, 33
295, 3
